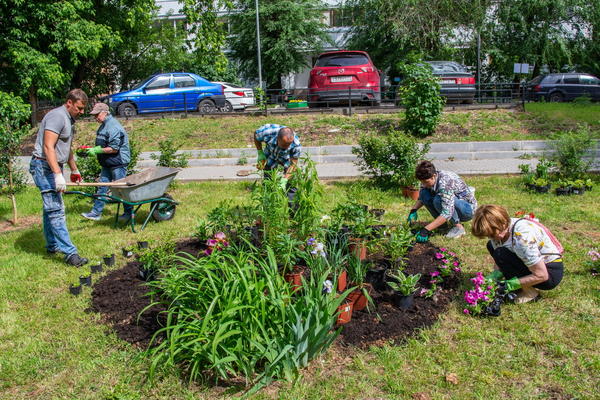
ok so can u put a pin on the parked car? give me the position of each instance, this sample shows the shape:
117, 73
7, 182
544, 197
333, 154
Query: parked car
457, 83
176, 91
563, 87
236, 97
340, 75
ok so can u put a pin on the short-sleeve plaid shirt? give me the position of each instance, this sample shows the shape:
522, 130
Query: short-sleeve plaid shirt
275, 154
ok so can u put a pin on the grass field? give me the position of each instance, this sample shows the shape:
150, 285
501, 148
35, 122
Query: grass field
53, 349
539, 121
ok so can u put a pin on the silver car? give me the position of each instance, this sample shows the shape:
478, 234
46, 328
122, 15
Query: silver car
236, 97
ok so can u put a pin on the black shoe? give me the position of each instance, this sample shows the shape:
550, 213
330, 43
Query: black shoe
75, 260
51, 251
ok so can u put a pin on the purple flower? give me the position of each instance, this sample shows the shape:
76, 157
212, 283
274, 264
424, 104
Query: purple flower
466, 311
456, 269
456, 263
220, 236
439, 255
445, 261
211, 242
208, 251
443, 249
453, 254
434, 273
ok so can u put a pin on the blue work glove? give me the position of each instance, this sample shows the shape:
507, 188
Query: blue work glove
283, 183
261, 159
412, 216
95, 150
512, 284
495, 275
423, 235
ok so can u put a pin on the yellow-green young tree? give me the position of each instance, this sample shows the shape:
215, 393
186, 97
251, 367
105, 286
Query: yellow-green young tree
14, 115
290, 31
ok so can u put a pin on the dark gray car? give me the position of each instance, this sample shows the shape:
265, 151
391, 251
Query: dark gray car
564, 87
457, 84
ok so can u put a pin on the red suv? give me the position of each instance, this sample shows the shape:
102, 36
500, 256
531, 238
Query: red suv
339, 75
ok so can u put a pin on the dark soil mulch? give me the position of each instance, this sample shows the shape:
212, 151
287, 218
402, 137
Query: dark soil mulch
120, 296
389, 322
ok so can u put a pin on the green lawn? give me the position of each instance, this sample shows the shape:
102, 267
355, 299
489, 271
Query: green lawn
538, 122
53, 349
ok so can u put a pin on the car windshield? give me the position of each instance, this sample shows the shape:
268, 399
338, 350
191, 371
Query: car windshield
342, 60
442, 67
140, 84
536, 80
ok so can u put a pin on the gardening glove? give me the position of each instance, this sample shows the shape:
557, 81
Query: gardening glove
423, 235
283, 183
261, 160
59, 182
95, 150
512, 284
495, 275
412, 216
75, 176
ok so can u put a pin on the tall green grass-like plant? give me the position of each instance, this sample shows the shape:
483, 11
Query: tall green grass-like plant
570, 150
390, 160
271, 205
233, 314
306, 213
420, 95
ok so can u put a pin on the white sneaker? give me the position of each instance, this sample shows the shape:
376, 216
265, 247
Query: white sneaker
456, 232
472, 189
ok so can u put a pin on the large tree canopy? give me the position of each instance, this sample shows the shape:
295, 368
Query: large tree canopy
289, 31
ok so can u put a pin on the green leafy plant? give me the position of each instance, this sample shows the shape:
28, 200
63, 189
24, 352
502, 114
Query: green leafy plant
397, 243
157, 258
270, 203
420, 95
287, 251
404, 284
14, 115
306, 211
168, 156
571, 148
390, 160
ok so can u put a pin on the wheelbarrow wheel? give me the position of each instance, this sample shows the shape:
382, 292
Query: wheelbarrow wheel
164, 210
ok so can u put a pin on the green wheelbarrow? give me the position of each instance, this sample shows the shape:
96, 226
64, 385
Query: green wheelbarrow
146, 187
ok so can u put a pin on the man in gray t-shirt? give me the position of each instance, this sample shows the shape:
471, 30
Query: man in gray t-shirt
52, 150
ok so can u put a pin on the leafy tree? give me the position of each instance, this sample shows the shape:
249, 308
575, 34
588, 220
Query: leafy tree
13, 127
539, 32
43, 42
405, 30
289, 31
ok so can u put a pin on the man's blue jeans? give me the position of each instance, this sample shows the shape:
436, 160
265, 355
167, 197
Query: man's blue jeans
110, 174
55, 223
463, 210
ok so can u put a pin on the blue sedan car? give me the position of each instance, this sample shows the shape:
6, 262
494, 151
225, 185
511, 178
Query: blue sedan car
176, 91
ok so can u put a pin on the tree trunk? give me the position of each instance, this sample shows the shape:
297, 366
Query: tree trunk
34, 105
11, 189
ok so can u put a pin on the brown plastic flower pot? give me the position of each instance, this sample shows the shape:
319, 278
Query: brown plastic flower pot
358, 247
358, 298
342, 281
410, 192
344, 312
294, 278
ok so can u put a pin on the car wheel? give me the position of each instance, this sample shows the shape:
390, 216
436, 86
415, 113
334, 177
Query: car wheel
206, 107
227, 107
556, 97
127, 110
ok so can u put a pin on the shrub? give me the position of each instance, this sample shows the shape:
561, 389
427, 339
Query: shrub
168, 156
420, 93
14, 116
390, 159
570, 149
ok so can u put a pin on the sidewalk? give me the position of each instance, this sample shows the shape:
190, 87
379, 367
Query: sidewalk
337, 162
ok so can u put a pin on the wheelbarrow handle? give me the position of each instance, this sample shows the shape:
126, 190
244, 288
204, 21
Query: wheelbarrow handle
115, 184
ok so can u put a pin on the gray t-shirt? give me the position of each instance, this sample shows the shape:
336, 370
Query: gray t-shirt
59, 121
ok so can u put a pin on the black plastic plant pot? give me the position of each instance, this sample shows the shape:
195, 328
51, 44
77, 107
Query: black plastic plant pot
563, 191
75, 290
578, 191
109, 260
85, 280
542, 189
377, 212
404, 302
530, 186
127, 253
94, 269
142, 245
146, 274
376, 277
